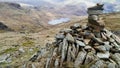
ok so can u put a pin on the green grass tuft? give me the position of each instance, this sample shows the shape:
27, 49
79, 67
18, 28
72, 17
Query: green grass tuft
9, 50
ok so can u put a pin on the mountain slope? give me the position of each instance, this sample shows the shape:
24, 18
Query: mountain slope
20, 19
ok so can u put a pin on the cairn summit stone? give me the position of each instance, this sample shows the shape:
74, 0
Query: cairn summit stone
88, 46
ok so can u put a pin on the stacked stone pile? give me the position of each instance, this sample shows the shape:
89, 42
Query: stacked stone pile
82, 46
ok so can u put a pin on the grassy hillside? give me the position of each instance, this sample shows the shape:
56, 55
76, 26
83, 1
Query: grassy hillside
113, 21
24, 19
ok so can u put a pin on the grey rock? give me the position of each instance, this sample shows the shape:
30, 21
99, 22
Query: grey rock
60, 47
103, 36
80, 43
108, 33
60, 36
77, 25
42, 52
84, 27
57, 63
72, 55
73, 49
98, 64
66, 31
101, 48
80, 58
86, 41
89, 58
111, 65
70, 38
107, 46
93, 66
55, 52
4, 57
97, 34
21, 50
47, 63
116, 38
77, 49
88, 47
98, 40
68, 54
86, 33
9, 60
64, 50
30, 49
33, 66
116, 58
116, 45
34, 57
107, 43
105, 55
111, 40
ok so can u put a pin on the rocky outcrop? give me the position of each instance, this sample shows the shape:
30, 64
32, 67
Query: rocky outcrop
4, 27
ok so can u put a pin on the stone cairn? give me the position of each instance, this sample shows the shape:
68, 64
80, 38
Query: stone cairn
90, 46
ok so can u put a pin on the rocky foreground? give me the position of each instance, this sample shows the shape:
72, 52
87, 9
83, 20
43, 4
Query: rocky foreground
77, 47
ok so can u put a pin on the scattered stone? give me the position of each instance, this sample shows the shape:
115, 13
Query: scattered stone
21, 50
30, 49
76, 26
9, 60
3, 58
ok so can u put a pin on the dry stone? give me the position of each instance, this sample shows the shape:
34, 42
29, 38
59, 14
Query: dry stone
80, 43
69, 38
80, 58
105, 55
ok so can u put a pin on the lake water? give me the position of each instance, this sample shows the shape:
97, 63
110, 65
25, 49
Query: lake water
58, 21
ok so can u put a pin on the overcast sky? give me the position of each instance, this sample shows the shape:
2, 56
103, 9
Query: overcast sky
65, 2
111, 1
